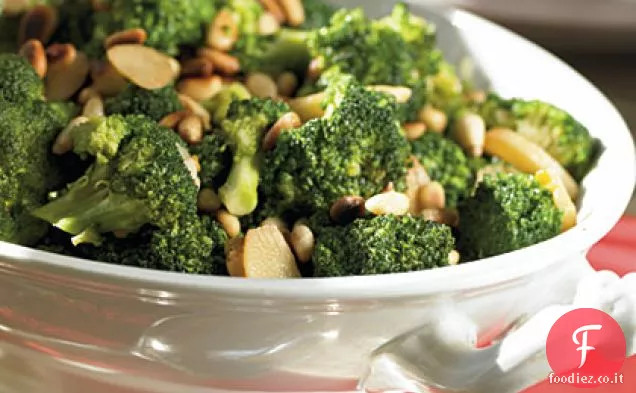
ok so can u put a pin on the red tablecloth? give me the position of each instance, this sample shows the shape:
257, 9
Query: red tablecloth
616, 252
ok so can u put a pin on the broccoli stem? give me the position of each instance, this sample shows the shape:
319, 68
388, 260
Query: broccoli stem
240, 193
90, 205
288, 53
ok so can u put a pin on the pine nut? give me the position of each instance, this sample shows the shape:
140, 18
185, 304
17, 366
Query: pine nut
34, 52
38, 23
197, 67
347, 209
448, 217
223, 62
200, 89
308, 107
435, 119
63, 143
86, 94
131, 36
191, 130
402, 94
389, 203
287, 121
477, 96
144, 66
261, 85
470, 132
107, 81
268, 24
224, 32
432, 196
195, 108
234, 257
287, 83
303, 242
294, 11
416, 177
173, 119
414, 130
229, 222
453, 258
94, 107
64, 80
273, 7
208, 201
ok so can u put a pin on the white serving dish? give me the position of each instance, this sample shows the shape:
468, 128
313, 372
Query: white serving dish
69, 325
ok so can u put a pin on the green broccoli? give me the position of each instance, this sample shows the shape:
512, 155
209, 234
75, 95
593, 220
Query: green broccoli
317, 14
357, 148
215, 159
27, 171
146, 181
75, 24
169, 24
19, 80
220, 103
196, 245
135, 100
507, 212
382, 245
560, 134
243, 130
445, 162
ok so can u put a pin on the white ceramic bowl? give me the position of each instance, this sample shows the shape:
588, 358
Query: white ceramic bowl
70, 325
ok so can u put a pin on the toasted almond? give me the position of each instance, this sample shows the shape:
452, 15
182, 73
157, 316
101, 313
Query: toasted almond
469, 132
268, 24
294, 11
86, 94
208, 201
454, 258
303, 242
191, 106
416, 177
448, 217
200, 89
223, 62
63, 143
142, 65
549, 179
526, 156
38, 23
107, 81
34, 52
234, 257
393, 203
414, 130
308, 107
261, 85
266, 254
197, 67
432, 196
287, 83
64, 80
402, 94
94, 107
173, 119
273, 7
61, 53
435, 119
223, 32
229, 222
131, 36
191, 129
278, 223
347, 209
288, 121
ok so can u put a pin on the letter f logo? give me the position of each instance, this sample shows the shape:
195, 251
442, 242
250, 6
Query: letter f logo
584, 348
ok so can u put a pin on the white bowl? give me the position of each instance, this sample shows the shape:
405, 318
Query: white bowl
74, 325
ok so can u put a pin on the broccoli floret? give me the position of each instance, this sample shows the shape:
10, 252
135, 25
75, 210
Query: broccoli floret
552, 128
75, 22
19, 80
169, 24
196, 245
445, 162
243, 130
357, 148
382, 245
135, 100
317, 14
215, 159
99, 137
220, 103
27, 171
147, 181
507, 212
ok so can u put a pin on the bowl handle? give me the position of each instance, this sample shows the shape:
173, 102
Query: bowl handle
441, 355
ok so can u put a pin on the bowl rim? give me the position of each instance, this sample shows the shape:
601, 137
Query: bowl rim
478, 274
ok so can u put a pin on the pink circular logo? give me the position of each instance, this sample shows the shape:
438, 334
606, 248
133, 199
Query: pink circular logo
586, 348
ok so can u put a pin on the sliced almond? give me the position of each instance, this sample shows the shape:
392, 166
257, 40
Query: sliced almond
197, 67
142, 65
470, 133
234, 258
432, 196
287, 121
172, 120
435, 119
389, 203
294, 11
278, 223
200, 89
131, 36
303, 242
64, 80
223, 62
94, 107
526, 156
551, 181
191, 129
63, 143
261, 85
274, 7
268, 24
402, 94
107, 81
34, 52
86, 94
266, 254
38, 23
223, 32
416, 177
308, 107
448, 217
414, 130
192, 106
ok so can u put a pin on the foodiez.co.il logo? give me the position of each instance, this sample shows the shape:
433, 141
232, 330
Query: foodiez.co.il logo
586, 348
